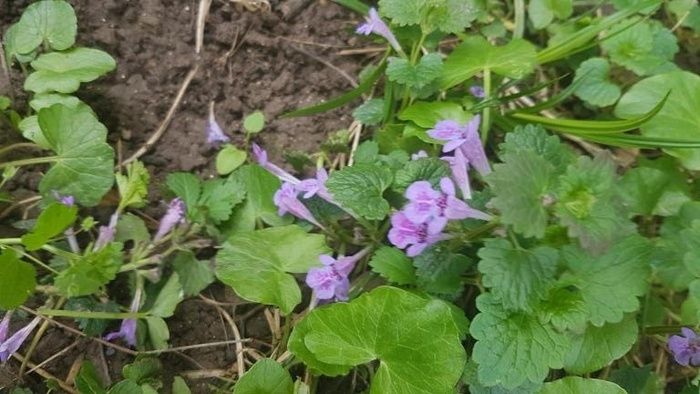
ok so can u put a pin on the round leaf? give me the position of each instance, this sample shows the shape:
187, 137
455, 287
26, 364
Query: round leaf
254, 122
577, 385
229, 158
50, 21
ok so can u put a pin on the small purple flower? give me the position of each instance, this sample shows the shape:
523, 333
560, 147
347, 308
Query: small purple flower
375, 24
260, 155
315, 186
419, 155
107, 232
404, 234
685, 348
459, 167
10, 345
5, 326
173, 216
477, 91
68, 201
287, 201
331, 281
215, 135
435, 208
127, 330
465, 138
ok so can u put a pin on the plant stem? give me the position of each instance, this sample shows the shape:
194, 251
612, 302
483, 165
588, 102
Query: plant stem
93, 315
519, 19
18, 145
26, 162
486, 121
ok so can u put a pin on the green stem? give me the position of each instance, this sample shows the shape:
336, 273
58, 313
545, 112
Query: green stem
18, 145
486, 121
26, 162
519, 19
671, 329
92, 315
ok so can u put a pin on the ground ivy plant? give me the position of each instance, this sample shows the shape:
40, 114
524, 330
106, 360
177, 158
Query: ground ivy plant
514, 209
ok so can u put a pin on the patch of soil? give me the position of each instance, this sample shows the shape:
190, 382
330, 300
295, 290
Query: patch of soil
250, 61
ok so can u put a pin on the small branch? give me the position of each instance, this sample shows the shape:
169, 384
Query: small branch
197, 346
166, 122
19, 145
202, 13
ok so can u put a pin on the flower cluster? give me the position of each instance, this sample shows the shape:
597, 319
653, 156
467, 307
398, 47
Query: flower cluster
331, 281
425, 216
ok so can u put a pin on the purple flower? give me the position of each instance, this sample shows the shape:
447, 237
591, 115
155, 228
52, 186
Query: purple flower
404, 234
287, 201
173, 216
685, 348
477, 91
465, 138
315, 186
459, 166
10, 345
331, 281
68, 201
107, 232
419, 155
215, 135
375, 24
5, 326
435, 208
127, 330
260, 155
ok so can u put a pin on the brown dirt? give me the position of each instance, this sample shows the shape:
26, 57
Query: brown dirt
153, 43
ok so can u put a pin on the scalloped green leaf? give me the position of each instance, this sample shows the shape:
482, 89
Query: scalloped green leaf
64, 71
49, 21
360, 189
595, 87
577, 385
597, 347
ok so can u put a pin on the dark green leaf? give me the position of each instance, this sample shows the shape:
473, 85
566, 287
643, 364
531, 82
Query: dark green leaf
51, 222
89, 273
266, 376
194, 274
439, 271
169, 296
393, 265
360, 189
417, 76
17, 280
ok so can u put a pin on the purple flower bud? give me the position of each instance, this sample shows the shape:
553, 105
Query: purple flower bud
477, 91
459, 167
261, 157
107, 233
173, 216
5, 326
287, 202
465, 138
68, 201
419, 155
331, 281
215, 135
375, 24
9, 346
127, 330
404, 234
685, 347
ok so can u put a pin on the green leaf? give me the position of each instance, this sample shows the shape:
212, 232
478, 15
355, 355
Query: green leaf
158, 332
370, 113
678, 119
359, 188
131, 228
219, 196
89, 273
143, 370
519, 278
596, 88
600, 346
405, 332
186, 186
427, 114
448, 16
45, 100
17, 280
229, 158
638, 380
564, 308
610, 284
646, 48
5, 102
393, 265
438, 271
254, 122
425, 169
88, 380
514, 348
32, 131
417, 76
403, 12
522, 187
83, 164
50, 223
50, 21
655, 187
194, 274
265, 376
169, 296
133, 187
513, 60
589, 203
577, 385
125, 387
180, 386
257, 264
64, 71
542, 12
534, 138
260, 188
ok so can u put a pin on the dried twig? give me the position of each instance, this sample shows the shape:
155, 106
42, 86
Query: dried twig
169, 117
240, 361
46, 375
202, 13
